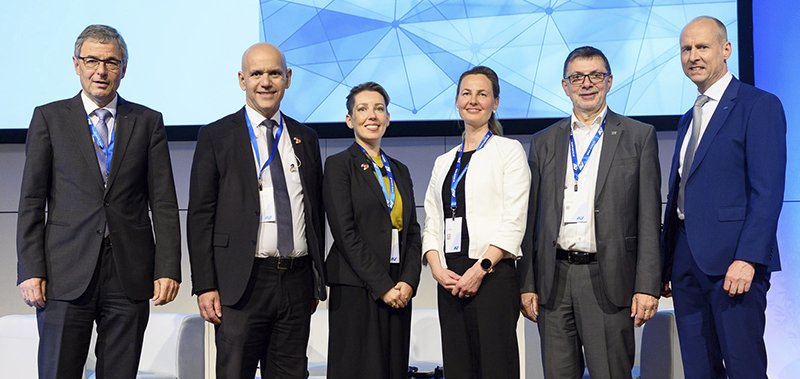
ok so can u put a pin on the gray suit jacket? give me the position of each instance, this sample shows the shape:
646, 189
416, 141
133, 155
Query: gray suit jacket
62, 176
627, 210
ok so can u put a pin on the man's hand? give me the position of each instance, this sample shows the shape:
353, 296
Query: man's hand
33, 292
210, 306
165, 290
643, 308
529, 305
739, 277
470, 282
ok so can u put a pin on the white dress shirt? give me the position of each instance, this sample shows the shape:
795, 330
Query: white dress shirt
580, 236
714, 94
90, 107
267, 245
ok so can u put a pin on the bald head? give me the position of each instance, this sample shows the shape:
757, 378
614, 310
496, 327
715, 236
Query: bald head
710, 23
264, 78
705, 50
263, 48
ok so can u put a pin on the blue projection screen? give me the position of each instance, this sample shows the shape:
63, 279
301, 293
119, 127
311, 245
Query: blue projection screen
418, 49
184, 55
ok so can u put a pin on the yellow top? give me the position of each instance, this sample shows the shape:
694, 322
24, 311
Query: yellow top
397, 210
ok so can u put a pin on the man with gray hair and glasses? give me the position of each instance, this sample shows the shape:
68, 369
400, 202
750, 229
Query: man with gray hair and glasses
99, 165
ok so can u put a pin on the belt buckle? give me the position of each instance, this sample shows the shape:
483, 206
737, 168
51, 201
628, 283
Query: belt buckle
284, 263
575, 257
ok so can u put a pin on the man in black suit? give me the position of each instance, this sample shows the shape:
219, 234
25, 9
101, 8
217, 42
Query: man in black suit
591, 266
96, 163
256, 228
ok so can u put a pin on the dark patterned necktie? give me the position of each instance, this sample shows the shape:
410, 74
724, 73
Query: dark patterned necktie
283, 208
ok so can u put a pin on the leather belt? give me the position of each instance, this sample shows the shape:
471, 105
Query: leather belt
576, 257
285, 263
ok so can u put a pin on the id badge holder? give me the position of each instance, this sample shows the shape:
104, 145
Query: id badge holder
395, 256
452, 234
576, 213
267, 201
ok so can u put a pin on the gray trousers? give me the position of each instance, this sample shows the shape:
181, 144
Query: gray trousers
579, 321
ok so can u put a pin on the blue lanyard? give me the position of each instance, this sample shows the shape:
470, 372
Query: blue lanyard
272, 152
108, 151
388, 195
577, 167
458, 175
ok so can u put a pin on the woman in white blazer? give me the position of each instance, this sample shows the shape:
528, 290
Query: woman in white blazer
476, 206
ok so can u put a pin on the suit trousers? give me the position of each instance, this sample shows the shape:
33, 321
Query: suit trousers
65, 328
714, 328
270, 324
579, 321
479, 334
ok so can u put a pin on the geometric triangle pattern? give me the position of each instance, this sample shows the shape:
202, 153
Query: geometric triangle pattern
417, 49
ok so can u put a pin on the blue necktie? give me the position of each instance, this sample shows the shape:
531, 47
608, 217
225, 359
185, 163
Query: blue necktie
102, 128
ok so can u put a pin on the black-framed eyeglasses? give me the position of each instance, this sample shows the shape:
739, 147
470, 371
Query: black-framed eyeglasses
594, 78
94, 62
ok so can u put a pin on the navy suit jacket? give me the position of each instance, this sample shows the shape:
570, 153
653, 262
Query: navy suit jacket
222, 222
734, 191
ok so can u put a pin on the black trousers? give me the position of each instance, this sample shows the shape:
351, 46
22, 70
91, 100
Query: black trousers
367, 338
65, 328
270, 324
479, 334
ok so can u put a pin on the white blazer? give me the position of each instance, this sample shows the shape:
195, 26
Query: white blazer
496, 190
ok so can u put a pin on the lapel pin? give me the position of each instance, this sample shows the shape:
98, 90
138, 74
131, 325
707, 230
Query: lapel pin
364, 166
613, 132
297, 140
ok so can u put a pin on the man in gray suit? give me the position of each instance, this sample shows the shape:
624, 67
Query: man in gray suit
591, 268
100, 166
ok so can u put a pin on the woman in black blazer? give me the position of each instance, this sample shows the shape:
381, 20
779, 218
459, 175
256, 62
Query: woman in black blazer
374, 264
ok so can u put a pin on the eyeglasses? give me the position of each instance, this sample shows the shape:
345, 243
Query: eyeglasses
594, 78
93, 63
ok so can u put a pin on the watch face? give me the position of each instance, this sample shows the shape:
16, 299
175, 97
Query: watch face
486, 263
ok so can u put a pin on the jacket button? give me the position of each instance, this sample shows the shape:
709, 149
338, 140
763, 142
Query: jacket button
106, 203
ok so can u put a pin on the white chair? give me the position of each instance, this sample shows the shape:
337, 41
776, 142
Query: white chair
173, 348
426, 339
19, 341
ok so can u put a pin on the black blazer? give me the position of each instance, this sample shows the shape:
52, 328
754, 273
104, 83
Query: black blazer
361, 227
62, 175
223, 220
627, 210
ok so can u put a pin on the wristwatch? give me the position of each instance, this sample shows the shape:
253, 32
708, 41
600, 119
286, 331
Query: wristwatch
486, 265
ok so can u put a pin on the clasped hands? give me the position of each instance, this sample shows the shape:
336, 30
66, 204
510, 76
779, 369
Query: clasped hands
398, 296
462, 286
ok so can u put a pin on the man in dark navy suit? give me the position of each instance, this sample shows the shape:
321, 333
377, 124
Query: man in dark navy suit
725, 197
